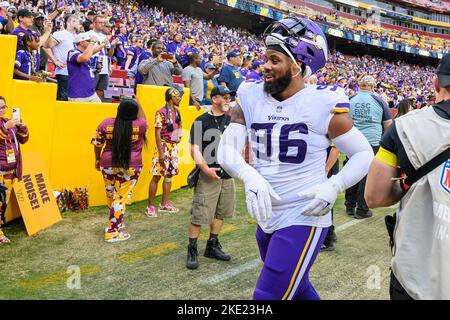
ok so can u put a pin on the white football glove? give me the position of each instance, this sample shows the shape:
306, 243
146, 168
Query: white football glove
258, 194
323, 197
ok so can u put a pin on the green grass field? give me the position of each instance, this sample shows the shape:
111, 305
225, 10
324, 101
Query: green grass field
151, 265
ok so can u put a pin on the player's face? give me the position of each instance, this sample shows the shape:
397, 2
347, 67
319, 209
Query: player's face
277, 72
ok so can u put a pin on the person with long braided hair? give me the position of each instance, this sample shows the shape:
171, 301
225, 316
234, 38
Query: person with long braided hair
118, 144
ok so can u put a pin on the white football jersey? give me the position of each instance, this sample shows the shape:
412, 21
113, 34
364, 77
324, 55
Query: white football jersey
289, 144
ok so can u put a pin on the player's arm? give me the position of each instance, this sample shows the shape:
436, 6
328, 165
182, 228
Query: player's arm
229, 155
382, 189
350, 141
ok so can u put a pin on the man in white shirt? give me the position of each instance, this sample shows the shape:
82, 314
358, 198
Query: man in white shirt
57, 48
102, 80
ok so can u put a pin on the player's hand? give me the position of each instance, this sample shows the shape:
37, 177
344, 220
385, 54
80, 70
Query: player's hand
258, 193
212, 173
161, 160
323, 197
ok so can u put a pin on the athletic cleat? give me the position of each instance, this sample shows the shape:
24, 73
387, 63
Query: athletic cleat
112, 237
214, 250
150, 212
168, 207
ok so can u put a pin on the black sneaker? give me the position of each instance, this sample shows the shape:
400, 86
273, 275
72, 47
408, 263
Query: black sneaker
327, 247
363, 214
350, 211
192, 257
214, 250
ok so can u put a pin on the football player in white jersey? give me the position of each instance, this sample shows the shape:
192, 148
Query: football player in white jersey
290, 126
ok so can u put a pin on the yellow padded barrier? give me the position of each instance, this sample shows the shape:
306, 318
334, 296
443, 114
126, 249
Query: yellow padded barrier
61, 131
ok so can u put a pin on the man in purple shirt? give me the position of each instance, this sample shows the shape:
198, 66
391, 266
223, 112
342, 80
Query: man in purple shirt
26, 18
255, 72
175, 46
122, 46
81, 83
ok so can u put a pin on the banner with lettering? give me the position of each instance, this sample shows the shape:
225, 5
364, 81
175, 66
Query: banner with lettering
34, 195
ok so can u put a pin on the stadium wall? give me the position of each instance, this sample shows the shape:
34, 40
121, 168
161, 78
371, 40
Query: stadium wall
60, 132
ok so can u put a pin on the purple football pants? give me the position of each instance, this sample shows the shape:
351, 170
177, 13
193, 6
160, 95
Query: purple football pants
288, 254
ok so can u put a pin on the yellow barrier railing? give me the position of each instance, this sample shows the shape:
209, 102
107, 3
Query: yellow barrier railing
61, 131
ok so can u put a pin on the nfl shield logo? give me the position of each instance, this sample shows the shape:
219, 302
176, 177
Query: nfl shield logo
280, 109
445, 178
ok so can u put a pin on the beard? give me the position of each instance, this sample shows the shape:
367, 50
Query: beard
278, 85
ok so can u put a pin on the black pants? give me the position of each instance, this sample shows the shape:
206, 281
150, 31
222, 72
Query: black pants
329, 238
396, 290
61, 95
354, 196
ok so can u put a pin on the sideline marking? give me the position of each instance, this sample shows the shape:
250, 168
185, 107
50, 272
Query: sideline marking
232, 272
256, 262
347, 225
139, 255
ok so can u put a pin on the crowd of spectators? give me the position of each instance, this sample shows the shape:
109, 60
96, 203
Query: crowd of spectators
395, 81
370, 28
85, 40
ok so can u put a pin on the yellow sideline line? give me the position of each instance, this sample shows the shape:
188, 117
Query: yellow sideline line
43, 281
141, 254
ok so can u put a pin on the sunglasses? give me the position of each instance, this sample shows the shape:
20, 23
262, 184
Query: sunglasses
4, 107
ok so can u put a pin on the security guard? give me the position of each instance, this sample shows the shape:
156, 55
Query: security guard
371, 115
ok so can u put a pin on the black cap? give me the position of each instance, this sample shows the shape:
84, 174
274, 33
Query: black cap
443, 71
222, 90
24, 13
39, 15
91, 13
232, 54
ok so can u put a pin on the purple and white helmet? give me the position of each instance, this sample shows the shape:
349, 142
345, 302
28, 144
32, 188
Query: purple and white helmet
302, 40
